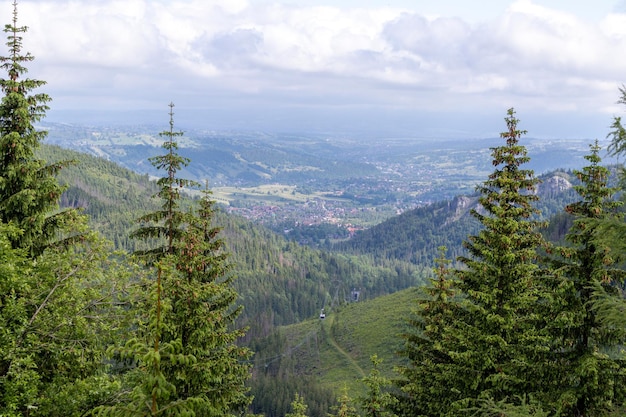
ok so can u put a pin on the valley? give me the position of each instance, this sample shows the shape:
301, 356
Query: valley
372, 259
317, 188
282, 285
384, 247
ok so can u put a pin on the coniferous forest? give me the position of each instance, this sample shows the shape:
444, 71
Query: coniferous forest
124, 296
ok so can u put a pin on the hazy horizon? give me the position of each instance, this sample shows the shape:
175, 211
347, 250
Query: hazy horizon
382, 67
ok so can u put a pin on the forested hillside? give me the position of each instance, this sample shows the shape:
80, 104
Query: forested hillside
414, 236
279, 282
282, 282
324, 356
124, 297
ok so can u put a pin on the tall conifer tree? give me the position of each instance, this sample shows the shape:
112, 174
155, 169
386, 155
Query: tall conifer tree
499, 282
193, 309
426, 380
153, 392
378, 402
618, 132
55, 313
166, 225
29, 191
203, 316
591, 379
486, 345
344, 408
298, 407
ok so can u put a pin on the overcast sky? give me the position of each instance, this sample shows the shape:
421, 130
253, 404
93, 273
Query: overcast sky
393, 67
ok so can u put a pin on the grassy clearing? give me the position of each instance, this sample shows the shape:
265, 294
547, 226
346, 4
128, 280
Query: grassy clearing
337, 349
267, 193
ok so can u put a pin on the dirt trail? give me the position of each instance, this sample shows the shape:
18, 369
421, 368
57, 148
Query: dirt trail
327, 326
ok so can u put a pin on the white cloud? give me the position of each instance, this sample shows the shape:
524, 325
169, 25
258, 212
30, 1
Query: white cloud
209, 50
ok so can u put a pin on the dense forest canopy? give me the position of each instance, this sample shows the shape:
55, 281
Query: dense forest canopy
123, 296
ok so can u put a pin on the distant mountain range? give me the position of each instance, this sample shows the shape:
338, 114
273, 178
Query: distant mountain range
255, 158
320, 187
281, 283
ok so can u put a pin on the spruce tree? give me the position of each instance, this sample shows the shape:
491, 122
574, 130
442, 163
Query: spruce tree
587, 278
18, 374
521, 407
57, 316
29, 190
153, 392
488, 350
298, 407
618, 132
167, 225
344, 407
378, 401
196, 304
500, 280
203, 316
56, 308
426, 380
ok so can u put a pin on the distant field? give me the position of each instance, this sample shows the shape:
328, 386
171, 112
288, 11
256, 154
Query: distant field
312, 179
268, 193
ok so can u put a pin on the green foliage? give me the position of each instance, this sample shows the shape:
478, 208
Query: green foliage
500, 330
415, 235
610, 231
167, 223
29, 191
279, 282
424, 380
496, 337
521, 341
18, 383
298, 407
57, 316
587, 282
521, 407
618, 134
204, 313
345, 407
378, 402
108, 194
62, 289
272, 394
486, 344
153, 394
324, 357
188, 361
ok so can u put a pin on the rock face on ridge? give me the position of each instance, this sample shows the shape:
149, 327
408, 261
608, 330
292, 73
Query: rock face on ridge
549, 187
553, 185
460, 206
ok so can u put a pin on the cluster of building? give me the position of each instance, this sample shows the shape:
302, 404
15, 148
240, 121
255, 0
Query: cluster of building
312, 212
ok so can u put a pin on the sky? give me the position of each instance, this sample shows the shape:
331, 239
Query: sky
385, 68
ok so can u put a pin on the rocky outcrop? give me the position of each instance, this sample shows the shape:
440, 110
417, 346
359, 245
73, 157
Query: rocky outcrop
549, 187
460, 206
553, 185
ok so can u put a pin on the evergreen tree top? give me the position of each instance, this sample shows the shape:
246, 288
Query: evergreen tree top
13, 64
169, 222
29, 190
597, 197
